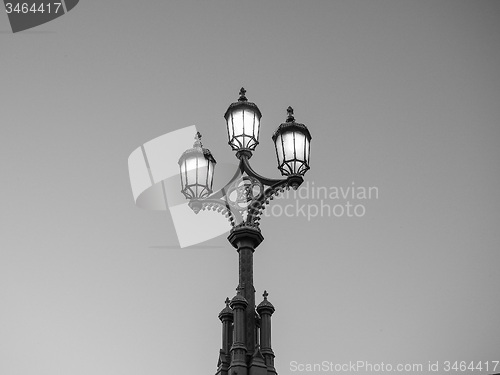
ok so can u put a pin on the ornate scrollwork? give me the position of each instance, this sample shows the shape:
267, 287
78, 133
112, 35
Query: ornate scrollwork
246, 195
243, 192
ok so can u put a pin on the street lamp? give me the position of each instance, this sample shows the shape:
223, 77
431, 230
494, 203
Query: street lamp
292, 141
246, 344
197, 171
243, 124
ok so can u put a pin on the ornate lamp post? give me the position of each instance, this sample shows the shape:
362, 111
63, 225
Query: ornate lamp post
246, 338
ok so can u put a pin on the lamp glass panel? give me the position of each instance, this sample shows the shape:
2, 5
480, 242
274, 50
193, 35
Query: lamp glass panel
202, 162
249, 122
237, 117
256, 131
288, 145
205, 168
202, 175
191, 170
308, 145
210, 176
182, 169
300, 140
244, 133
279, 149
229, 123
252, 128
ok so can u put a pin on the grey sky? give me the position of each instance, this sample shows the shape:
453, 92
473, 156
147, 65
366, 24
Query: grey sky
402, 95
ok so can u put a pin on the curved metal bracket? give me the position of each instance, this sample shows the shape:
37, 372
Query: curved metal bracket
245, 194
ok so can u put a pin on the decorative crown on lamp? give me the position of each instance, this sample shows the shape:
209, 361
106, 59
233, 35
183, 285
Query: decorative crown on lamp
243, 124
197, 170
292, 141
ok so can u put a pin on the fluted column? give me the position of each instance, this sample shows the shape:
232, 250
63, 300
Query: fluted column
246, 240
238, 349
226, 317
266, 310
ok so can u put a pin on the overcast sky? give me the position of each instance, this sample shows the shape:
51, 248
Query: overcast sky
398, 95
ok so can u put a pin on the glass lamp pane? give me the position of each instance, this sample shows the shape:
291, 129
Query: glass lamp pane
182, 168
230, 132
279, 149
191, 175
288, 146
210, 176
237, 122
300, 140
249, 141
202, 162
308, 145
244, 137
204, 170
256, 131
249, 122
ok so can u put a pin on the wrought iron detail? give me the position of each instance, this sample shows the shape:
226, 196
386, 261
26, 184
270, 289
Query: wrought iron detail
244, 198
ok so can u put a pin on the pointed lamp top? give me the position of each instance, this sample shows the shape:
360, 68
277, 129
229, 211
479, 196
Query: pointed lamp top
242, 97
290, 117
197, 140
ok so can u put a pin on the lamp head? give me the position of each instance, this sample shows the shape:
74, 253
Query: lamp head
292, 142
197, 171
243, 124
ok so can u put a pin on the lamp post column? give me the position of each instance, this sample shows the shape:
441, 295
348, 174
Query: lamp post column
245, 240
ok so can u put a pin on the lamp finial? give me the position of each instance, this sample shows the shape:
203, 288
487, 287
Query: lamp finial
242, 97
227, 301
290, 117
265, 295
197, 140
